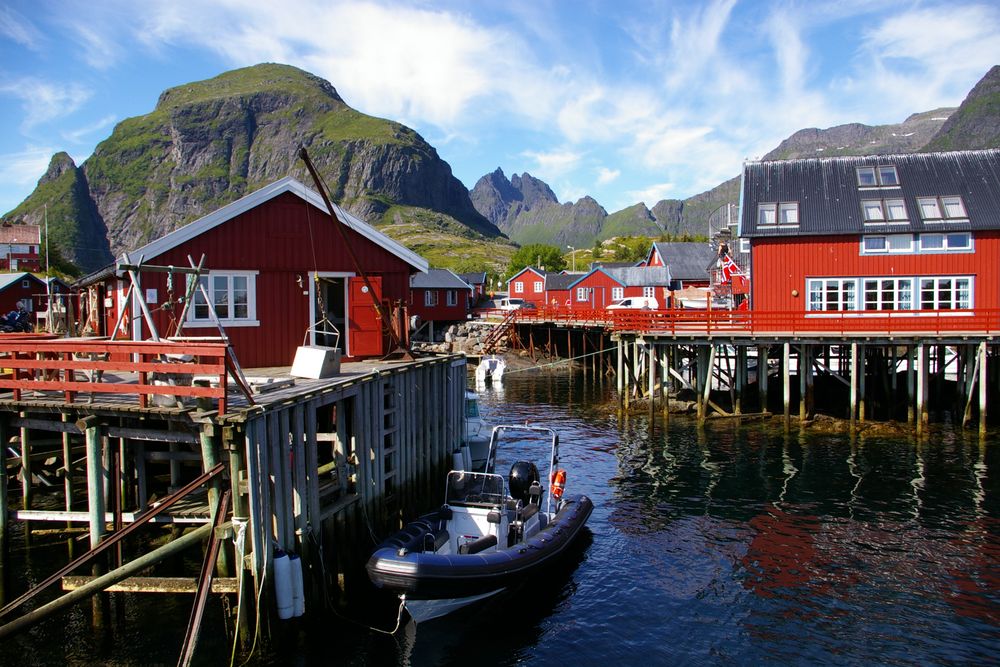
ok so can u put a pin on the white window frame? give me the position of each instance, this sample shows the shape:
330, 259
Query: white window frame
881, 175
940, 208
452, 297
877, 176
195, 319
518, 287
539, 287
649, 292
744, 246
617, 293
778, 214
949, 242
894, 244
945, 292
582, 294
786, 211
430, 298
765, 211
886, 208
819, 291
887, 293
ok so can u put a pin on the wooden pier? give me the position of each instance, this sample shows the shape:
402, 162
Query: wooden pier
314, 468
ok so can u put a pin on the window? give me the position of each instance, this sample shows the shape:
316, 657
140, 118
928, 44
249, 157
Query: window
232, 299
452, 297
832, 294
617, 293
945, 293
784, 213
765, 214
942, 208
744, 246
870, 177
538, 287
789, 213
880, 210
888, 293
430, 298
649, 291
958, 241
882, 243
25, 284
582, 294
518, 287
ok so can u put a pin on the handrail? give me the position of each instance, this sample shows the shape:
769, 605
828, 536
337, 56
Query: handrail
52, 365
685, 321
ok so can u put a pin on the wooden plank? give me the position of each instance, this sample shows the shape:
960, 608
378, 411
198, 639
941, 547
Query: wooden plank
170, 585
85, 516
299, 489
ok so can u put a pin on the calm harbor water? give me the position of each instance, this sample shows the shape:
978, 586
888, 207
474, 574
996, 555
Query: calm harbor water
720, 545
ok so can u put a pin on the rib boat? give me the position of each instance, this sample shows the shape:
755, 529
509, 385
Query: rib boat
491, 533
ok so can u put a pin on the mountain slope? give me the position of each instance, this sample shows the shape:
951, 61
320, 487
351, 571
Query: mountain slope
210, 142
976, 123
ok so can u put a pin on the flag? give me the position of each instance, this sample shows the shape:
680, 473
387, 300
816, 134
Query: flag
729, 269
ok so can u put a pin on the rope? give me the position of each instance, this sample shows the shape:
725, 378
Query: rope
554, 363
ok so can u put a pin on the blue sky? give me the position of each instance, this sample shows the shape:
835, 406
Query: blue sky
624, 101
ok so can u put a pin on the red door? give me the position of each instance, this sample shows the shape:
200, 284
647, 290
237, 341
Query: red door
364, 322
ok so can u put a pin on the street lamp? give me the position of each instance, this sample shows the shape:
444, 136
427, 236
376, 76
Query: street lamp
573, 255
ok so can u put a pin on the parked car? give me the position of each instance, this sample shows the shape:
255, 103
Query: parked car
635, 303
510, 303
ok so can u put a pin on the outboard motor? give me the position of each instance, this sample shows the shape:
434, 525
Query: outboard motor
522, 475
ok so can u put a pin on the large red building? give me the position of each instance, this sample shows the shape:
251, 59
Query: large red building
906, 235
528, 284
277, 274
20, 248
439, 296
603, 286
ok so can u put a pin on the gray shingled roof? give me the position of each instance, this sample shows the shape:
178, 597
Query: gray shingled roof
640, 276
830, 199
437, 279
477, 278
688, 260
561, 280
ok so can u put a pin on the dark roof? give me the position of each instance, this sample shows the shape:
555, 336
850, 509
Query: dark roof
437, 279
688, 260
635, 276
8, 279
829, 196
476, 278
561, 281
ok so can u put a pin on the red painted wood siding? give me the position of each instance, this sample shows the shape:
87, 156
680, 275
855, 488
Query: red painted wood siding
783, 265
442, 312
284, 239
525, 282
601, 285
15, 292
560, 298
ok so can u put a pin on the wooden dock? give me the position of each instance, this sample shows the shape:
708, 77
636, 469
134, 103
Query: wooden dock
314, 467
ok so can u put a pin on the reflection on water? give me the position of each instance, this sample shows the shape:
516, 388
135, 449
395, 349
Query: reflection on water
724, 545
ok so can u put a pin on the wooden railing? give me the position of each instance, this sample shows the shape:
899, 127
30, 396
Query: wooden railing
79, 365
754, 322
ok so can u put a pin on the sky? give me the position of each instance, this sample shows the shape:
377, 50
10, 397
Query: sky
625, 101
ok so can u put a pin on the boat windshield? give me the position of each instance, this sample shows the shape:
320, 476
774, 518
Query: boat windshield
475, 489
471, 408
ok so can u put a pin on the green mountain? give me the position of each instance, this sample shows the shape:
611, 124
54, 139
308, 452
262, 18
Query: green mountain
976, 124
211, 142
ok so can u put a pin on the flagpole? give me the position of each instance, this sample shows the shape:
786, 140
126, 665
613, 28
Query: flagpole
48, 278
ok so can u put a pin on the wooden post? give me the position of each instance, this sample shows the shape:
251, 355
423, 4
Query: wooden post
762, 376
854, 386
620, 380
706, 396
67, 457
803, 369
25, 478
4, 526
786, 384
95, 479
651, 370
921, 386
911, 391
862, 389
741, 375
982, 389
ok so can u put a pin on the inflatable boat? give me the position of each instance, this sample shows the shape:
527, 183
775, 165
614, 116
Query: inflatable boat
491, 533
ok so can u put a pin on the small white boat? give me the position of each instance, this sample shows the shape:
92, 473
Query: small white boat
477, 434
490, 368
491, 533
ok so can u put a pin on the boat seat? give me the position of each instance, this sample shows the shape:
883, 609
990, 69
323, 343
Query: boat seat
528, 511
535, 494
483, 543
435, 540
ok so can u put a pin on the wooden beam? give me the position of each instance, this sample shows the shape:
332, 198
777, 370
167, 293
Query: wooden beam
170, 585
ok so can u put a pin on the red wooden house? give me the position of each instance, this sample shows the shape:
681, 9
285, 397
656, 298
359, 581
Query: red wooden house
277, 274
557, 288
908, 235
23, 288
439, 296
603, 286
20, 247
528, 284
477, 281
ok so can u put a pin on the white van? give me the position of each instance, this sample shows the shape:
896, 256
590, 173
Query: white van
510, 304
636, 303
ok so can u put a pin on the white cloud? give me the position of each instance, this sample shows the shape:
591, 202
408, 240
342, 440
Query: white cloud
652, 194
19, 172
695, 43
554, 164
15, 27
606, 176
99, 50
78, 135
44, 101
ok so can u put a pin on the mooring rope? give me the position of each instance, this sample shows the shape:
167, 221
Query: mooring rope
554, 363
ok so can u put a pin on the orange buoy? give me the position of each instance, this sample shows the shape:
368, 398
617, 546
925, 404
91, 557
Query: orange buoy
558, 483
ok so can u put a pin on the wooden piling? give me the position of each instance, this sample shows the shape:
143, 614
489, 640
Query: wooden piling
786, 384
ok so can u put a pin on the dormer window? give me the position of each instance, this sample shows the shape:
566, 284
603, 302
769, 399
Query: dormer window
882, 210
783, 213
870, 177
789, 213
766, 214
942, 208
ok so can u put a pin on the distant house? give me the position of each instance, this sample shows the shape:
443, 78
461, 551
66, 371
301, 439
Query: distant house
602, 287
528, 284
557, 288
20, 247
875, 234
690, 264
276, 273
439, 296
21, 287
477, 281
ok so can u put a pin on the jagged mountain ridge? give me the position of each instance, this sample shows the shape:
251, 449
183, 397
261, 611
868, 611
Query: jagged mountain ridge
210, 142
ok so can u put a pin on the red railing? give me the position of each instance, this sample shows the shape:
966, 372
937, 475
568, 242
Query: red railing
74, 365
753, 323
